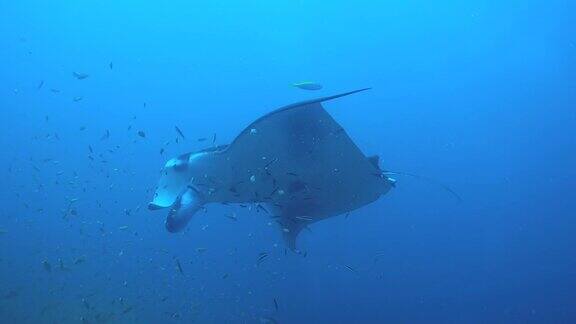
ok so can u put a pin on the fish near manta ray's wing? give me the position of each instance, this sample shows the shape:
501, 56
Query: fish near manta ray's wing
300, 160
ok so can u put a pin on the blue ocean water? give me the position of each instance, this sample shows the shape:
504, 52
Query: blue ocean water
479, 95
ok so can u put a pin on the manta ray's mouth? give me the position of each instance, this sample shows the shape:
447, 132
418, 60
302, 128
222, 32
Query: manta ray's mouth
186, 205
153, 206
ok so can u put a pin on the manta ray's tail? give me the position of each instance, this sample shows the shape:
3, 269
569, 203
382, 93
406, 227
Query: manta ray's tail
426, 179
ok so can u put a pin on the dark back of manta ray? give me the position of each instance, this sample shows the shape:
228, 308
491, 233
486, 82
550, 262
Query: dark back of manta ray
317, 163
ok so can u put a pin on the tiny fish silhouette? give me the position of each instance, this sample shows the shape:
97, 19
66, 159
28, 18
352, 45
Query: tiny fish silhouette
80, 76
307, 85
179, 131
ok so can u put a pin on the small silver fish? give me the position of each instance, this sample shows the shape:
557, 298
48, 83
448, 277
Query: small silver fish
307, 85
179, 266
80, 76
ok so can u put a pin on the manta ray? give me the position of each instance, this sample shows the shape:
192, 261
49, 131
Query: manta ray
296, 162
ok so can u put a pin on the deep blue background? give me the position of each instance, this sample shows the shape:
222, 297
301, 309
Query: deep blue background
479, 94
